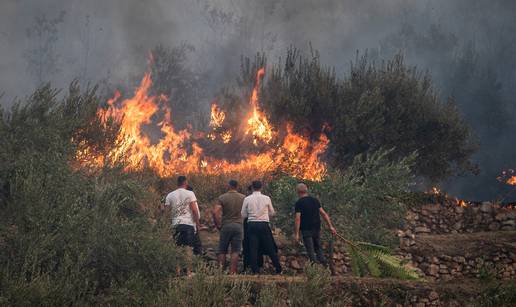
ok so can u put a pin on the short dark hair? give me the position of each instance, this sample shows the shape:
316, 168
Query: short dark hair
189, 188
181, 180
257, 185
233, 183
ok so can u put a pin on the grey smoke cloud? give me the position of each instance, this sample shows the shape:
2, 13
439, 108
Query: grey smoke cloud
110, 40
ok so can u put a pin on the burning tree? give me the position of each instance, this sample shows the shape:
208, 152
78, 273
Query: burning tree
263, 148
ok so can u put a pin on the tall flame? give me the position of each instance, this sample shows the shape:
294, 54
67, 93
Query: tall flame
179, 152
257, 125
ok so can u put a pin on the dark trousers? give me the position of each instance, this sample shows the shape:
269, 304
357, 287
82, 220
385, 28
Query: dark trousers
312, 242
197, 244
260, 238
246, 250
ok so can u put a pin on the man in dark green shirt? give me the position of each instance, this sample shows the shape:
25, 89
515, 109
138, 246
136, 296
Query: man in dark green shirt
228, 220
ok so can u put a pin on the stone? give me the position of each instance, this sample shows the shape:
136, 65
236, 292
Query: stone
295, 264
446, 277
486, 207
433, 208
457, 225
433, 296
446, 257
433, 270
422, 229
494, 226
459, 259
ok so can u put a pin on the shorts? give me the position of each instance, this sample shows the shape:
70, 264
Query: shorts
184, 235
230, 234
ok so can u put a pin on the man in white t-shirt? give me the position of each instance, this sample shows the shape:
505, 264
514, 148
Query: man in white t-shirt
185, 215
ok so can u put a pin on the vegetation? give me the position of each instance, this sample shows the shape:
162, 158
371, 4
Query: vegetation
69, 238
367, 201
373, 106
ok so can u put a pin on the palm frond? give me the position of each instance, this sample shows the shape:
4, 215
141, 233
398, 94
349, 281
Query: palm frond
376, 260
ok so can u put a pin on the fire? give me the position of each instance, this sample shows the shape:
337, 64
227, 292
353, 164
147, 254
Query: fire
435, 191
257, 125
217, 116
169, 152
462, 203
226, 137
508, 177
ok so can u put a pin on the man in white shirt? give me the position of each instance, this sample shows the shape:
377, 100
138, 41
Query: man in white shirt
257, 208
185, 215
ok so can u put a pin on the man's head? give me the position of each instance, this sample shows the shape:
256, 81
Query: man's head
182, 182
302, 189
257, 185
233, 184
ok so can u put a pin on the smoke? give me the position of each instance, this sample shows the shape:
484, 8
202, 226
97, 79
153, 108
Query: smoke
468, 46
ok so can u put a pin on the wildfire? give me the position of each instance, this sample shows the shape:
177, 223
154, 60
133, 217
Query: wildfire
257, 125
169, 152
435, 191
226, 137
508, 177
217, 116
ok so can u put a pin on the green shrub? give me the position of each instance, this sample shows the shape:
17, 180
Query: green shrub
316, 290
372, 106
499, 295
365, 201
69, 238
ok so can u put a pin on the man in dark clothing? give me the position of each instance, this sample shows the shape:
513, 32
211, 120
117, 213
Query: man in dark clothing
308, 222
228, 219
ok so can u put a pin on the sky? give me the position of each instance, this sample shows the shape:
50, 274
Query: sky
108, 42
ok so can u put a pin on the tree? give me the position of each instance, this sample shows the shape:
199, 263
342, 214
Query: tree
385, 105
172, 77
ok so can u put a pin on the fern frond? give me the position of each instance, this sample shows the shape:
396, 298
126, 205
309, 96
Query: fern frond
376, 260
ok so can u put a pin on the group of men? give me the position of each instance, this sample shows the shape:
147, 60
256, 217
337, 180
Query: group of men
244, 220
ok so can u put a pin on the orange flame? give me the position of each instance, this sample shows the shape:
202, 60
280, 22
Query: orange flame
511, 181
178, 152
217, 116
257, 125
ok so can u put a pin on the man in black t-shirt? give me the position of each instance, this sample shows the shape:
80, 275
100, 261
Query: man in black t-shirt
308, 221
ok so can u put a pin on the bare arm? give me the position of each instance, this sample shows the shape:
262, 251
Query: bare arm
195, 213
217, 215
271, 208
297, 225
327, 219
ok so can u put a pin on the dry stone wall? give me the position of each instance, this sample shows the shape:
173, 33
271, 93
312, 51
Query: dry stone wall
453, 239
452, 216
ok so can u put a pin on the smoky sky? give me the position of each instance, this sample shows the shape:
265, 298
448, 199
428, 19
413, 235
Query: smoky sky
108, 42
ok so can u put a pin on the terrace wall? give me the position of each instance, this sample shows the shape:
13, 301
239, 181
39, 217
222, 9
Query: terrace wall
450, 239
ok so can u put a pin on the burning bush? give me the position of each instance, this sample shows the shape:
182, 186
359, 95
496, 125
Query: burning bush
373, 106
